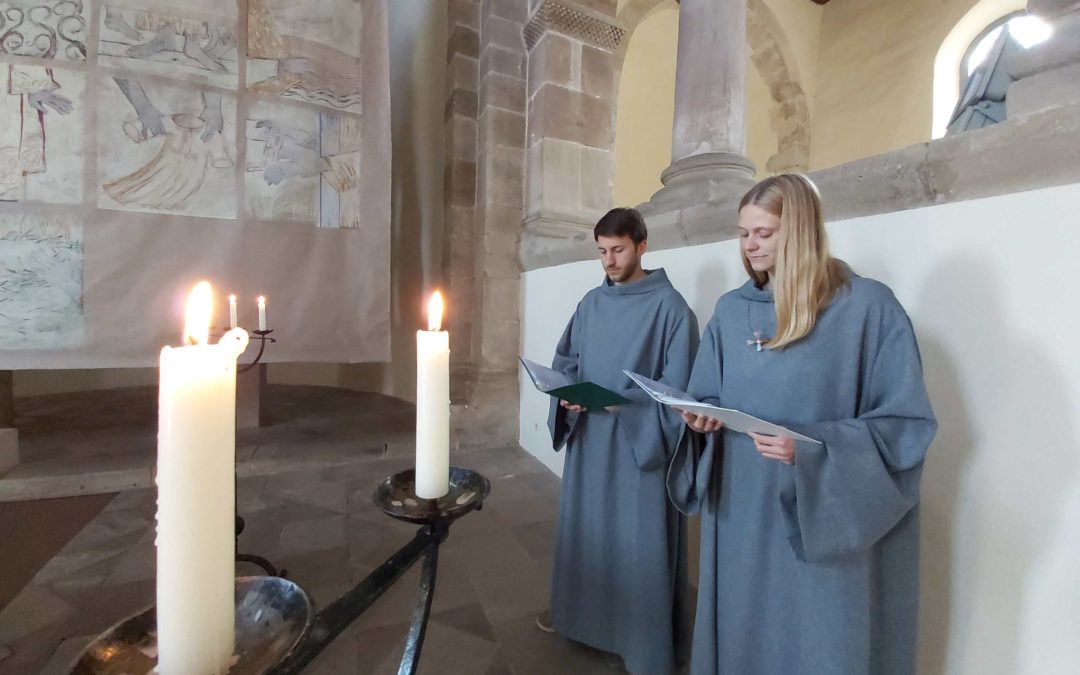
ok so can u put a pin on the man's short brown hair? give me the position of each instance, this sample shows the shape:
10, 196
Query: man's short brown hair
622, 222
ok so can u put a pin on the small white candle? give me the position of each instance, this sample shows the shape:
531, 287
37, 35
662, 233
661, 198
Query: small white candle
232, 311
196, 496
262, 313
433, 405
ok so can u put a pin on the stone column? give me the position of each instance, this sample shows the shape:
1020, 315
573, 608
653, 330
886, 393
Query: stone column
571, 89
708, 146
484, 389
1048, 74
459, 183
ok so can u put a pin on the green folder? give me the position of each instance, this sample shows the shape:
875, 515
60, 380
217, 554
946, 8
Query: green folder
559, 385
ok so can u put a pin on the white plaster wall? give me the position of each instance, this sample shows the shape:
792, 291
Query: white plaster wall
991, 288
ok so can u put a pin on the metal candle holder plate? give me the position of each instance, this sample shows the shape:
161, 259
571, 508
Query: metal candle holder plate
396, 496
271, 615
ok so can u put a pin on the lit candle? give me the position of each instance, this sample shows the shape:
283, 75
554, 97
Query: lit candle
433, 405
196, 496
262, 313
232, 311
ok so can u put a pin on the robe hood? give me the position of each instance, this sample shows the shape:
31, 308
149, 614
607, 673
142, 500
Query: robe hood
654, 280
752, 292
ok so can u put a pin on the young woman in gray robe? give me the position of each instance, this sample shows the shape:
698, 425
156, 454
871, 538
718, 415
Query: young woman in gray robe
619, 582
809, 551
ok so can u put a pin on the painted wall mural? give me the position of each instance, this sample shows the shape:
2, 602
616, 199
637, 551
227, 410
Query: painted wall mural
41, 285
206, 129
41, 133
306, 51
166, 149
303, 166
49, 29
169, 45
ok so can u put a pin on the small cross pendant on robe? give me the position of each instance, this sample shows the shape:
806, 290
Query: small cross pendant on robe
758, 341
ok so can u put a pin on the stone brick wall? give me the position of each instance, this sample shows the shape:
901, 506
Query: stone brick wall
484, 179
571, 117
462, 86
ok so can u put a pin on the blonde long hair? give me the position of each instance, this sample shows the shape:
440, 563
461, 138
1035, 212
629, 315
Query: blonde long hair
805, 277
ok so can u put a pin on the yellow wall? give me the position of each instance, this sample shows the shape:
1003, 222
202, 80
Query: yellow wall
875, 75
760, 137
800, 23
867, 69
645, 107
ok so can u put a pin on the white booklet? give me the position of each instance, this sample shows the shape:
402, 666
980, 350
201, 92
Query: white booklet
732, 419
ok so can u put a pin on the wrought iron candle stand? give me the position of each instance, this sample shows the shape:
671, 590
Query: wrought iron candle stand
263, 336
275, 631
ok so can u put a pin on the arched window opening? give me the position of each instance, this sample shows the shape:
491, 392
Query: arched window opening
984, 69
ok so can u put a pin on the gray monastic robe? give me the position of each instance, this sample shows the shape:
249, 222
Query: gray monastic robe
811, 568
619, 582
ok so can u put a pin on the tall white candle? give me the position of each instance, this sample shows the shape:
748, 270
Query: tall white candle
262, 313
196, 496
433, 405
232, 311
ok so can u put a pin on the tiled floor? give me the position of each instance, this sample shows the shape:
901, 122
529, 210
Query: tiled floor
106, 441
304, 489
322, 527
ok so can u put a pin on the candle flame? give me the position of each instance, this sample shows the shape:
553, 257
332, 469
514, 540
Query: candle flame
232, 298
435, 311
262, 301
200, 308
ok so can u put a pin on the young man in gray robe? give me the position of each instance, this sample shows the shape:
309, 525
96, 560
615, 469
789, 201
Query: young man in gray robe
619, 582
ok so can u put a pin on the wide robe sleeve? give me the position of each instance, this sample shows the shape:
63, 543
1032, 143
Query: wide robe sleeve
842, 496
695, 454
652, 429
562, 422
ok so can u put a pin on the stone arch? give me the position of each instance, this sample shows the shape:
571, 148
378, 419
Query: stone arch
790, 113
631, 14
769, 51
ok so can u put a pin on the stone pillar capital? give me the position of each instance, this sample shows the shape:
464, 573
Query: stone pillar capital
591, 22
554, 239
700, 178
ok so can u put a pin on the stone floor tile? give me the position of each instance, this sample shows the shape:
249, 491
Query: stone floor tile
539, 540
318, 534
66, 654
523, 510
523, 592
530, 651
137, 564
34, 608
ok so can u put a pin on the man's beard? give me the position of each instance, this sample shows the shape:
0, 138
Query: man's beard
617, 278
